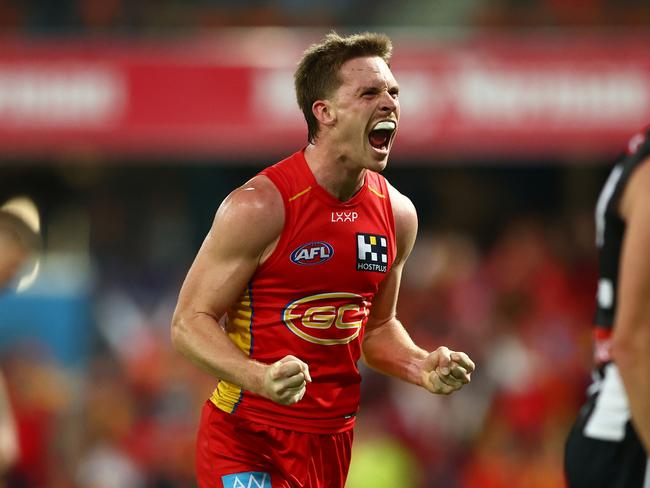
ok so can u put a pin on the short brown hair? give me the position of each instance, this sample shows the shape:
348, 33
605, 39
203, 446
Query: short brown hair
317, 74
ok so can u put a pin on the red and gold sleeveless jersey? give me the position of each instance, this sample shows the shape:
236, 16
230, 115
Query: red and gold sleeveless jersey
311, 298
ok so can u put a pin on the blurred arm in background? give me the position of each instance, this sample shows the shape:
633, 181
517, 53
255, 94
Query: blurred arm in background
9, 450
631, 347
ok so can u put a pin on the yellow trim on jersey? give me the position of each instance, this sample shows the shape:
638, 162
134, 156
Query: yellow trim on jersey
238, 328
376, 192
299, 194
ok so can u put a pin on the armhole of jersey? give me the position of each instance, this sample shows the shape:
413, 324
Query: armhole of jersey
275, 178
389, 212
609, 195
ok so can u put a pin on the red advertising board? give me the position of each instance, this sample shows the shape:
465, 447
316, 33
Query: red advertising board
231, 96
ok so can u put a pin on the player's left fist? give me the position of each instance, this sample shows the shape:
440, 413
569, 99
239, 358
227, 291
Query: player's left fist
445, 371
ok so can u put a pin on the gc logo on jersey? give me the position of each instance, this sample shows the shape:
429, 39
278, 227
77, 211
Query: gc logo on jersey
372, 253
253, 479
326, 318
312, 253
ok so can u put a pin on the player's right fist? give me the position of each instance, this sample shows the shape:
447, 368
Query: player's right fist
285, 381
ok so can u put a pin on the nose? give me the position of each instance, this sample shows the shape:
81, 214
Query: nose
388, 103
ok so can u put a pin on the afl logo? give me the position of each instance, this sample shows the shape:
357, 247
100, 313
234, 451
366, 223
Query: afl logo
327, 318
312, 253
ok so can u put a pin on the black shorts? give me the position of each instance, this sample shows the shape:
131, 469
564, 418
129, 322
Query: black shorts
609, 455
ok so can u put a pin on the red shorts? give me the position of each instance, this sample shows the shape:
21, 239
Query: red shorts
234, 452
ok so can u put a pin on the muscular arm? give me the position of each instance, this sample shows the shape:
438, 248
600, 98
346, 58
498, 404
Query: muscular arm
387, 347
245, 230
631, 346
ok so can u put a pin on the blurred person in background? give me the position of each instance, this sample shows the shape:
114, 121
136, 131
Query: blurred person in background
610, 441
305, 262
19, 243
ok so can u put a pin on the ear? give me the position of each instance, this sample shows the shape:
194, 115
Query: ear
324, 112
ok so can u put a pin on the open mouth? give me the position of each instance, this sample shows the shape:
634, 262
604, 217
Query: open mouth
379, 137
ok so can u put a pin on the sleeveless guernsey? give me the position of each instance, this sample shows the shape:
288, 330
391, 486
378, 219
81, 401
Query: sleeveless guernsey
311, 298
610, 229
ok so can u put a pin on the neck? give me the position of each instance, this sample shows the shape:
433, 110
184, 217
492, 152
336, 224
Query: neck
334, 172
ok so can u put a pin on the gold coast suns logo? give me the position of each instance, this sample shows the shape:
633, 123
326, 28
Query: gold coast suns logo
327, 318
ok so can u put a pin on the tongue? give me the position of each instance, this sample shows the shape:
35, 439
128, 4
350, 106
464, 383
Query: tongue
379, 138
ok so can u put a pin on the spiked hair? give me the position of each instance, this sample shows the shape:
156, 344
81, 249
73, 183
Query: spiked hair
317, 74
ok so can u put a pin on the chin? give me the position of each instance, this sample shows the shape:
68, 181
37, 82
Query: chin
379, 165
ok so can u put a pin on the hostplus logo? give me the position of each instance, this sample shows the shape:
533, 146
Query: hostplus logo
247, 480
372, 253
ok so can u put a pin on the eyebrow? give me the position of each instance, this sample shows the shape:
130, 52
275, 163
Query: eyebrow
377, 88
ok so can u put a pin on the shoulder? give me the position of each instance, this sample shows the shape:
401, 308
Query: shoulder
636, 195
403, 208
258, 197
251, 215
406, 221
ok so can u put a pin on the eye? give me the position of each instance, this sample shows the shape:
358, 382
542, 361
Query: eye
394, 93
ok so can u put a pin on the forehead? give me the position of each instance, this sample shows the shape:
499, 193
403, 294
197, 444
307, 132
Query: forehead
366, 71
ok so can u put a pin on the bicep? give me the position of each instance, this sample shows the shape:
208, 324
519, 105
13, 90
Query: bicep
384, 306
216, 278
231, 252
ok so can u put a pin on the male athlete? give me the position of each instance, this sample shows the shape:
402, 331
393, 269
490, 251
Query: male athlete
609, 444
305, 262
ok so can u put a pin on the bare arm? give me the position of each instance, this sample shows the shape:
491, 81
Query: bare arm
631, 346
387, 346
245, 231
9, 449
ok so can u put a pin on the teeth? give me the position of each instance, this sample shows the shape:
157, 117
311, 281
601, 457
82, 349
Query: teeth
385, 125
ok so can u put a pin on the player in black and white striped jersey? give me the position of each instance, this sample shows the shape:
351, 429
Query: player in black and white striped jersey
609, 443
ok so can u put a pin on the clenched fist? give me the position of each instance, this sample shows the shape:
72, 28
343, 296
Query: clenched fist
285, 381
444, 371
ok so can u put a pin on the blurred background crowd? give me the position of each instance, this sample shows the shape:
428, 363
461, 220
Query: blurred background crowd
504, 268
151, 16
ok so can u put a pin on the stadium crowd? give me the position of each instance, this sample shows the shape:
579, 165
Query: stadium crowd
148, 17
515, 291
